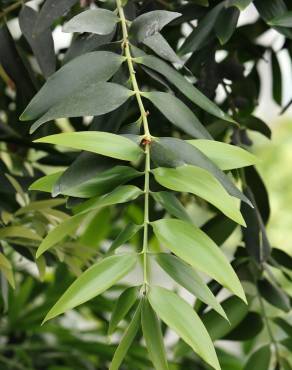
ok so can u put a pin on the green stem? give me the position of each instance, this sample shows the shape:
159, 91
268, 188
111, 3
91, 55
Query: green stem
12, 7
146, 138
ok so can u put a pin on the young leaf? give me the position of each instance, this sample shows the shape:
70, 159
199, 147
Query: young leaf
193, 246
59, 232
72, 78
93, 282
150, 23
225, 156
46, 183
189, 90
172, 205
153, 337
105, 143
126, 340
99, 21
188, 278
178, 114
180, 316
124, 303
199, 182
260, 359
93, 100
126, 234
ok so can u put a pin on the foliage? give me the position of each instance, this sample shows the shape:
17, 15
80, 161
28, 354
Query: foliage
142, 152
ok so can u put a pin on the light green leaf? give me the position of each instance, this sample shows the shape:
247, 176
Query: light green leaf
153, 337
124, 303
240, 4
200, 182
122, 194
189, 90
193, 246
126, 234
260, 359
284, 20
18, 232
93, 282
126, 340
73, 77
92, 100
181, 317
178, 113
171, 204
99, 142
188, 278
225, 156
46, 183
150, 23
40, 205
99, 21
65, 228
6, 269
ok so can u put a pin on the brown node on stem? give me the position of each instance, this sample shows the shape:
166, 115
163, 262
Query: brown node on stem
145, 141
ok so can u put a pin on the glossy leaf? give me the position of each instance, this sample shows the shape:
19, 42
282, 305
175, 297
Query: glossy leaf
260, 359
153, 337
189, 90
193, 246
93, 282
188, 278
178, 114
100, 21
72, 78
199, 182
150, 23
126, 340
104, 143
46, 183
225, 156
181, 317
124, 303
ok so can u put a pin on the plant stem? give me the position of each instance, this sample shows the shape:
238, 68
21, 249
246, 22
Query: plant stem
12, 7
146, 138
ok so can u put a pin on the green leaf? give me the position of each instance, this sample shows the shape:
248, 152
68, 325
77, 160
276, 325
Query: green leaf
100, 21
72, 78
274, 295
199, 182
150, 23
277, 78
217, 327
283, 20
93, 282
172, 152
65, 228
93, 100
193, 246
122, 194
153, 337
46, 183
40, 205
284, 325
283, 258
180, 316
161, 47
6, 269
201, 33
260, 359
225, 156
126, 234
99, 142
219, 228
179, 81
178, 114
172, 205
188, 278
226, 24
18, 232
240, 4
247, 329
126, 340
124, 303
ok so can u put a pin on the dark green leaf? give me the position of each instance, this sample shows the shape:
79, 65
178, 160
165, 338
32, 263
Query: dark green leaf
193, 246
93, 282
240, 4
126, 234
124, 303
277, 79
161, 47
274, 295
153, 337
100, 21
284, 325
260, 359
219, 228
178, 114
226, 24
248, 329
283, 258
284, 20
